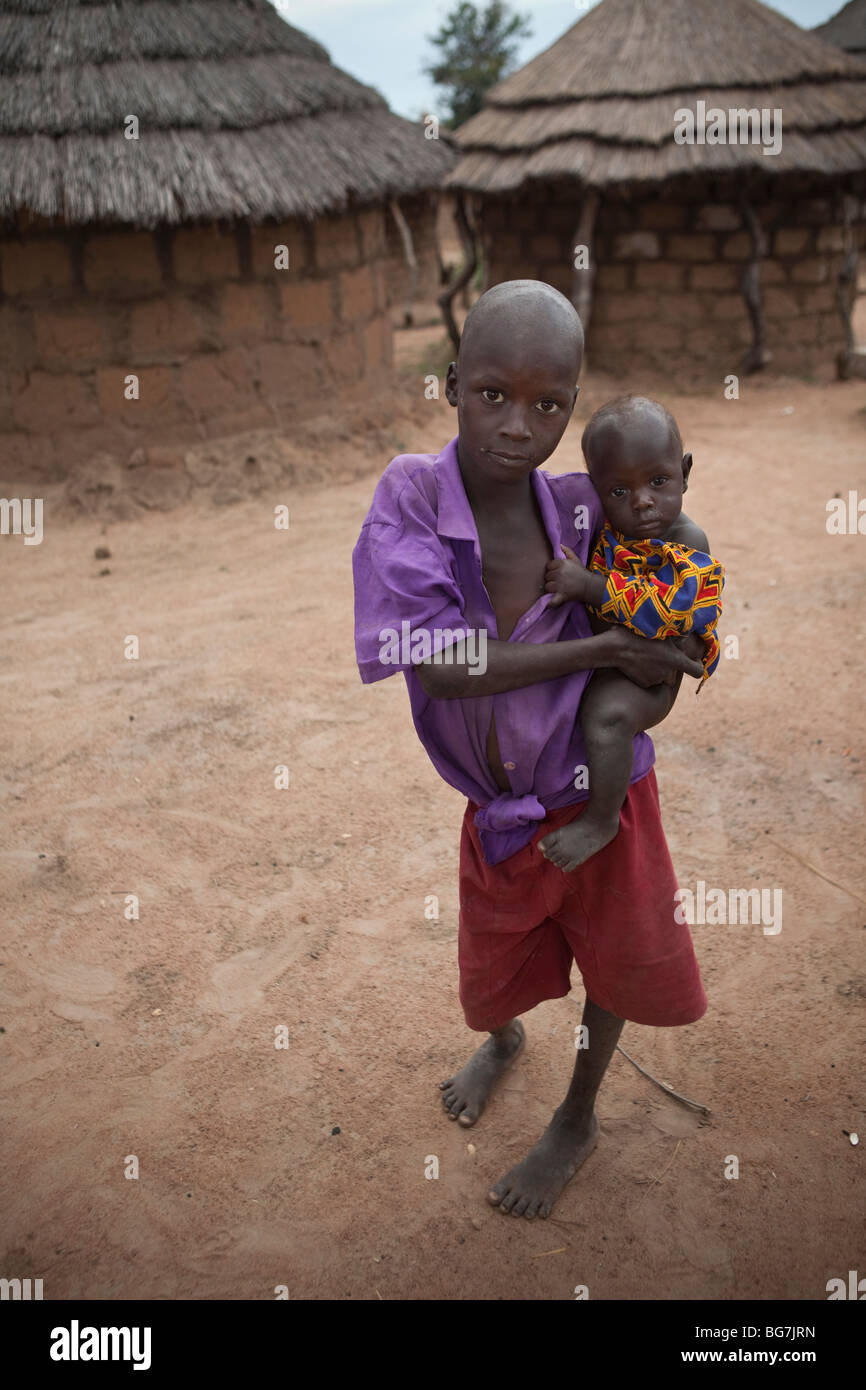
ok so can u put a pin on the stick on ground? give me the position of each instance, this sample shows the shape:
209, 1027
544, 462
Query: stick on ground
668, 1090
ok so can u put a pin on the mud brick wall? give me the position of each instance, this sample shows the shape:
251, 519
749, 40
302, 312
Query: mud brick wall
667, 293
420, 214
220, 340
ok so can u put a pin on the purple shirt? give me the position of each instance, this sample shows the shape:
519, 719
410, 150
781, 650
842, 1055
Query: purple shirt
418, 563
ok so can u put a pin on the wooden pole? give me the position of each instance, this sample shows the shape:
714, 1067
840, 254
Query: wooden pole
436, 206
758, 355
582, 284
846, 286
411, 260
470, 251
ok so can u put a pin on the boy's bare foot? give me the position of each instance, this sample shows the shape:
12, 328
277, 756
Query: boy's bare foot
466, 1094
579, 840
533, 1186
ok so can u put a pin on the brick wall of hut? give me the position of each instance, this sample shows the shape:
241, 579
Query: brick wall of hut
420, 214
221, 341
668, 274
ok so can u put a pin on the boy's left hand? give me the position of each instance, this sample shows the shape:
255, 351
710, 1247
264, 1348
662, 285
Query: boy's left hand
566, 579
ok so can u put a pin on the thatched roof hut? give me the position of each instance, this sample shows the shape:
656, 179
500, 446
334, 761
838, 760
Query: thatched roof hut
847, 29
244, 116
153, 156
588, 142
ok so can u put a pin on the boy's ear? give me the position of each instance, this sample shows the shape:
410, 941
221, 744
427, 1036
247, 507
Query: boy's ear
687, 468
451, 384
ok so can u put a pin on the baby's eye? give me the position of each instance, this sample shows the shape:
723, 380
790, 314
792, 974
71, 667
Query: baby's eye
491, 391
660, 480
617, 492
548, 407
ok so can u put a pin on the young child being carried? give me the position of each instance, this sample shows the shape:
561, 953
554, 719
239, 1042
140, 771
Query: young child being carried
651, 570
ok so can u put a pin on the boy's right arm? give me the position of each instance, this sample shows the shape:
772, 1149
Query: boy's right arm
513, 665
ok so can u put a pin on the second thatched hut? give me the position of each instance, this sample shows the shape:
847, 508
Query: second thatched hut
721, 252
847, 28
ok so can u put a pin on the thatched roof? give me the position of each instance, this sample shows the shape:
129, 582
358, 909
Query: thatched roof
598, 106
847, 29
240, 115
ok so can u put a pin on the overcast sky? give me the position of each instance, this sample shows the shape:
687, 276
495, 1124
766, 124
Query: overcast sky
384, 42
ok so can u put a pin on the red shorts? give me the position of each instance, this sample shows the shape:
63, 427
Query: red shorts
523, 921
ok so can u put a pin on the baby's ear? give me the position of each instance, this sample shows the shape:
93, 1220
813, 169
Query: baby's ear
687, 468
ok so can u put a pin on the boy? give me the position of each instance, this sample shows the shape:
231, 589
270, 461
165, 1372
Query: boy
459, 544
651, 571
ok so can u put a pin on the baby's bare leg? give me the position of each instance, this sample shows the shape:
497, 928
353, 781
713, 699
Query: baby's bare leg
612, 711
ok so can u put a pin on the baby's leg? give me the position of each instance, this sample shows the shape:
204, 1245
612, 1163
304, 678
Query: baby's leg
612, 711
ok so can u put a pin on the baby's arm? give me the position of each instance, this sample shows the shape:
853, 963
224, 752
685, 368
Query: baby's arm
569, 581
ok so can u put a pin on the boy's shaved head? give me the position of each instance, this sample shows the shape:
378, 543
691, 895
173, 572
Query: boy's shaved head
628, 416
518, 308
515, 381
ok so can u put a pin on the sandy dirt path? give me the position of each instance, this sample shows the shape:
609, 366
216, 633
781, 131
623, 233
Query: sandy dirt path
305, 908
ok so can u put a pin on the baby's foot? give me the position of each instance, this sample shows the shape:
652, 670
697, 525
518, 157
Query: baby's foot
579, 840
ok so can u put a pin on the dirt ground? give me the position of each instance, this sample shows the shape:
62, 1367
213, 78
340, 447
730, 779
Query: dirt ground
304, 908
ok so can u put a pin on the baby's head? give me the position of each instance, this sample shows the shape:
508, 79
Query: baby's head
515, 381
634, 456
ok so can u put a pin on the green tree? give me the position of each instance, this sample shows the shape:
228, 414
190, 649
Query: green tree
477, 47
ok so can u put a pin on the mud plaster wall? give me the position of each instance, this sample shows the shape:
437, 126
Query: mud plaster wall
668, 274
221, 341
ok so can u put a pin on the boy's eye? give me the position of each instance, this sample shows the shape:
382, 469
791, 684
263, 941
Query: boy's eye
617, 492
660, 480
548, 407
490, 391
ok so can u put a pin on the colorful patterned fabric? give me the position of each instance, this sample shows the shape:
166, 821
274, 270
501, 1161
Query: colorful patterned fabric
660, 589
